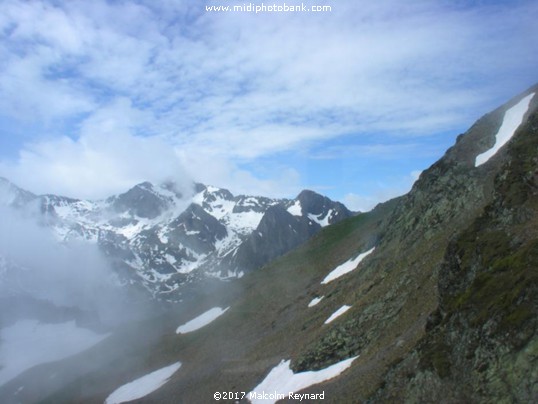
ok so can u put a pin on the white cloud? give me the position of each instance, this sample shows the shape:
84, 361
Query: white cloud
246, 72
28, 96
94, 166
107, 158
242, 86
223, 172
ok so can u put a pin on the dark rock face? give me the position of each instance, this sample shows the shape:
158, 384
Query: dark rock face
197, 230
277, 233
322, 207
488, 287
140, 201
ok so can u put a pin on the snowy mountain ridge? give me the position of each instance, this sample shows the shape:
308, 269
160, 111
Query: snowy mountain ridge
160, 238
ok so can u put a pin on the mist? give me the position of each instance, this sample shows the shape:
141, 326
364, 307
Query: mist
56, 300
76, 274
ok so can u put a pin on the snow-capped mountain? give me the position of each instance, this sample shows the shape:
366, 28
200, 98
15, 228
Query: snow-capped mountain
157, 236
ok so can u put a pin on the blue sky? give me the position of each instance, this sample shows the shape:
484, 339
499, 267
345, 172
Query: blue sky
353, 103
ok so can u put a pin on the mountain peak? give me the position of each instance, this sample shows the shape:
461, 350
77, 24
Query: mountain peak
144, 200
320, 208
307, 193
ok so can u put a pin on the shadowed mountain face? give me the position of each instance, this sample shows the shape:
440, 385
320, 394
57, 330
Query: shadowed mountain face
444, 309
141, 201
278, 232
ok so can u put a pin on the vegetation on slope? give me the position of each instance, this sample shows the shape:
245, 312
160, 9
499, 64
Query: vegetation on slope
481, 344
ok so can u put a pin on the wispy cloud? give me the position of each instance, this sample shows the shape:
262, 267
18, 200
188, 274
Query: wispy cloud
237, 87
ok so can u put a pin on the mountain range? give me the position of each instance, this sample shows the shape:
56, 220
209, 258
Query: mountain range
159, 238
430, 297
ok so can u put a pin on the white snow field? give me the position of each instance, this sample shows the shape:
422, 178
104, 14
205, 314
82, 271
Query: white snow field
337, 313
512, 119
29, 343
315, 301
296, 209
322, 221
346, 267
281, 381
201, 321
142, 386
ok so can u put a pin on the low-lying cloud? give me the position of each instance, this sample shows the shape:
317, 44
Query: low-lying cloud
36, 266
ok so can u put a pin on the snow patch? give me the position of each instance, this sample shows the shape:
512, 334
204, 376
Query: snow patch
322, 221
170, 259
296, 209
281, 380
142, 386
201, 321
244, 222
315, 301
346, 267
29, 343
162, 237
75, 210
513, 117
133, 229
337, 313
228, 276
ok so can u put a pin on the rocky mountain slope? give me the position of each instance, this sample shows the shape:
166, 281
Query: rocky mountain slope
480, 344
433, 298
159, 238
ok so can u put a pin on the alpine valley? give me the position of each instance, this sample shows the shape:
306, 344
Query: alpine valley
430, 297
